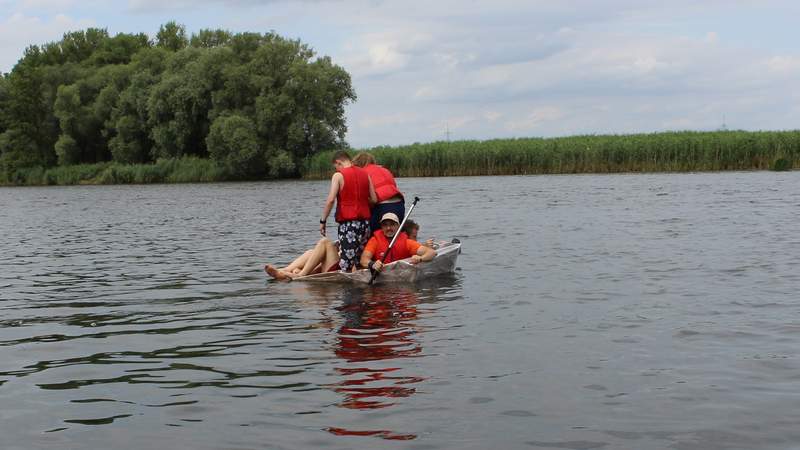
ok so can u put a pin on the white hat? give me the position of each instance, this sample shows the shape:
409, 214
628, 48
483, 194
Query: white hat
390, 216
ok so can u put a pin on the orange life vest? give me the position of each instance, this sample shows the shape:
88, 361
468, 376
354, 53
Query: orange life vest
399, 250
352, 203
382, 181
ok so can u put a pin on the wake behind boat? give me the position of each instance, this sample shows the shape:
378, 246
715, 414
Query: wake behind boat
399, 271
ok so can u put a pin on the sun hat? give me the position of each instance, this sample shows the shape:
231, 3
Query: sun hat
390, 216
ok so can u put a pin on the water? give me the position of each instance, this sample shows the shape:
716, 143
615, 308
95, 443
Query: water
628, 311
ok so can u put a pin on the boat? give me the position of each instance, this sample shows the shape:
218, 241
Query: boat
401, 271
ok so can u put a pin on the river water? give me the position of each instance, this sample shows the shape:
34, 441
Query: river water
616, 311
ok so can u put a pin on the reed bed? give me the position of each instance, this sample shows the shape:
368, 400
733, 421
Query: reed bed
183, 170
658, 152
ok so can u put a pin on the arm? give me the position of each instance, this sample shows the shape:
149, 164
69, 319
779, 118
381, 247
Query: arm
366, 257
423, 254
373, 198
336, 184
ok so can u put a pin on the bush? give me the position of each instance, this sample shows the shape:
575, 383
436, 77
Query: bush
781, 164
281, 165
67, 151
233, 144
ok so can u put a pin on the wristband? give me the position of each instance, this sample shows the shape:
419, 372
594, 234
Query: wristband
322, 222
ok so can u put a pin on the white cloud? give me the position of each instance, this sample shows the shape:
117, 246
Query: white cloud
535, 119
47, 5
19, 31
788, 65
506, 67
492, 116
387, 120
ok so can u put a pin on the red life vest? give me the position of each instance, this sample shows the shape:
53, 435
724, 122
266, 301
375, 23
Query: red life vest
383, 182
352, 203
399, 251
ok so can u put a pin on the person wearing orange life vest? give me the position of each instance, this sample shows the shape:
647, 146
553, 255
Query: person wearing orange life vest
403, 247
390, 199
352, 192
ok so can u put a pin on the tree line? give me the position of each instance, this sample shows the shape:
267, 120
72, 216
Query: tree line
258, 105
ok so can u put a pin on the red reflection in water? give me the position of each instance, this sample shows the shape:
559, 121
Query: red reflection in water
379, 327
380, 433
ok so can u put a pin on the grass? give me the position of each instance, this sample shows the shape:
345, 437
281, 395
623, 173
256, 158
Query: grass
183, 170
658, 152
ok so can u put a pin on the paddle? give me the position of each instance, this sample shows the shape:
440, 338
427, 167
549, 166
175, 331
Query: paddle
391, 244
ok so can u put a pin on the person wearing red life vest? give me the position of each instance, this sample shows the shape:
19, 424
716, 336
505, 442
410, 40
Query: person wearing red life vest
390, 199
403, 247
352, 192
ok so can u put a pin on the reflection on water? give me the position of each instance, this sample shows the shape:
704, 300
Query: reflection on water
375, 331
379, 327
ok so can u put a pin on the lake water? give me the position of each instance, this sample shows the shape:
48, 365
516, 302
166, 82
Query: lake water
618, 312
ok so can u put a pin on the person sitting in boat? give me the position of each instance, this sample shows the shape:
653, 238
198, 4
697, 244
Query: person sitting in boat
324, 257
403, 247
411, 229
390, 199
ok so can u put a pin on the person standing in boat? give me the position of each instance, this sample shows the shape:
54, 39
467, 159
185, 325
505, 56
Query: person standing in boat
390, 199
403, 248
352, 192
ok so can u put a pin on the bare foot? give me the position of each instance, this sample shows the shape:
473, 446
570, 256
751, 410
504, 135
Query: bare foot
275, 273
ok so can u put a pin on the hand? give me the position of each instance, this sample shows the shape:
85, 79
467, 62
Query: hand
416, 259
322, 229
377, 266
429, 243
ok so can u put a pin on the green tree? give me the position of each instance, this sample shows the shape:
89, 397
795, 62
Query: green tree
179, 105
210, 38
233, 143
91, 97
172, 36
129, 132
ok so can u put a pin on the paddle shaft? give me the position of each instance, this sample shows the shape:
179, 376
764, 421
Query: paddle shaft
394, 238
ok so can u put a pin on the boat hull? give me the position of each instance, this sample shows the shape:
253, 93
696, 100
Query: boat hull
397, 272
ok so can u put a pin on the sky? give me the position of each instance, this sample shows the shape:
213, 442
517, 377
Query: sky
435, 70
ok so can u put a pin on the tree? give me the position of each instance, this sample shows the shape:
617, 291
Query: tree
210, 38
172, 36
91, 97
233, 143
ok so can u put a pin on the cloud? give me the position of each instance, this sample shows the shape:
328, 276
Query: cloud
147, 6
46, 5
19, 31
784, 65
507, 67
387, 120
535, 118
492, 116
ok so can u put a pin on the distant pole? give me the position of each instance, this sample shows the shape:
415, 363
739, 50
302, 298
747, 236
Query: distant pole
447, 131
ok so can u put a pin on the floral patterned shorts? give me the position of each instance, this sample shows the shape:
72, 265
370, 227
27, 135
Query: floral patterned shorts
353, 237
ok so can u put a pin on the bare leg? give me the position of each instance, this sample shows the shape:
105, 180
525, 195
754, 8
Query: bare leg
324, 255
298, 263
331, 255
293, 267
276, 273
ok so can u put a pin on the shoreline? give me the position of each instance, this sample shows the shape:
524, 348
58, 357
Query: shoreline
667, 152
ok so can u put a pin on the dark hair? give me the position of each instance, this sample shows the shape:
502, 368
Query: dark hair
341, 155
363, 159
410, 225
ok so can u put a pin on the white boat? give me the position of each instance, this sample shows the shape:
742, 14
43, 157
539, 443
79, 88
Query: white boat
401, 271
